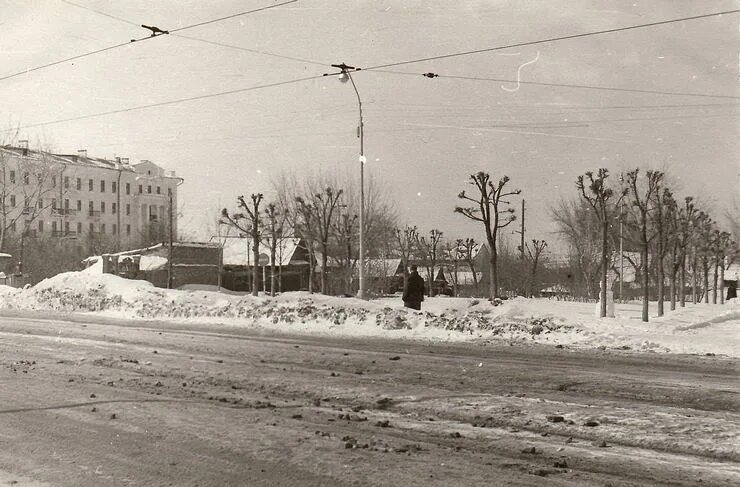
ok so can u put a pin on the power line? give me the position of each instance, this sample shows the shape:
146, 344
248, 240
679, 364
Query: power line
559, 85
140, 39
171, 102
553, 39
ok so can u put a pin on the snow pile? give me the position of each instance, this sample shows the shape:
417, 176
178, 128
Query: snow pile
694, 329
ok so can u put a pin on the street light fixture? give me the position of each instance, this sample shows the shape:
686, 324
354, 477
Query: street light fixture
344, 76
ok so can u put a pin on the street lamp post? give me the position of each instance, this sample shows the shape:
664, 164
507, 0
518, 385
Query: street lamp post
345, 76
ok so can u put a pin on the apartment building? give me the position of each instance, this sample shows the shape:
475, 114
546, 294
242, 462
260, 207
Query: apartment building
77, 196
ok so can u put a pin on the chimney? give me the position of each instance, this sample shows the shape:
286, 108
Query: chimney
23, 144
82, 152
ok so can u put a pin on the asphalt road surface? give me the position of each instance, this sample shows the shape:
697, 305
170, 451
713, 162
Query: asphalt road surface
92, 402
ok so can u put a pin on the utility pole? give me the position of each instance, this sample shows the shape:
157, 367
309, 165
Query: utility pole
522, 231
169, 246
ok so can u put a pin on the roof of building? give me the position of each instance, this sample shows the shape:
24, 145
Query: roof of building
238, 251
80, 159
732, 272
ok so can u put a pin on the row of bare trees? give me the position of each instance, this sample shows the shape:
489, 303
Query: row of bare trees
673, 236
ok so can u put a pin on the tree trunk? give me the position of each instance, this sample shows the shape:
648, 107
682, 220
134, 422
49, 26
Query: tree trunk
645, 269
682, 287
324, 260
705, 274
660, 277
255, 267
715, 279
604, 265
722, 280
493, 281
694, 278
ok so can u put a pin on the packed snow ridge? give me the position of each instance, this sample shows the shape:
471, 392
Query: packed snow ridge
698, 329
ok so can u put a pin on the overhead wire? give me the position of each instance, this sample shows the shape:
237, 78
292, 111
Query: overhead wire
559, 85
551, 39
140, 39
173, 102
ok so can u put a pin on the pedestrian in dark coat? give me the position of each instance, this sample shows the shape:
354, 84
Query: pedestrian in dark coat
413, 295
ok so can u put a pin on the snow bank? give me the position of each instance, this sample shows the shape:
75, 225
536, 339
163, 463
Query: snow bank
694, 329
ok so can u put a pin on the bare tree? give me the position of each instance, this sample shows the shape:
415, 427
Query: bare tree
345, 228
598, 197
466, 247
305, 224
534, 253
275, 226
660, 221
687, 219
488, 208
428, 250
320, 209
579, 225
252, 226
406, 239
642, 201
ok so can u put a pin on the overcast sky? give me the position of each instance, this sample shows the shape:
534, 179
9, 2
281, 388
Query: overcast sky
423, 136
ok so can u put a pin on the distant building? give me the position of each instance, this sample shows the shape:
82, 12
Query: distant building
76, 195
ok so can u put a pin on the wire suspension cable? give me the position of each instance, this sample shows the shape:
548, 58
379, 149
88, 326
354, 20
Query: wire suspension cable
555, 39
140, 39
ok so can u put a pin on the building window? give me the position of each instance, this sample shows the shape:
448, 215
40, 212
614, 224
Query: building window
79, 205
149, 189
53, 182
41, 226
102, 228
128, 229
79, 227
41, 203
26, 202
90, 208
113, 208
141, 189
66, 228
53, 227
128, 188
79, 184
66, 204
115, 228
102, 207
66, 182
128, 209
25, 178
159, 190
102, 186
12, 177
113, 187
53, 204
92, 228
90, 184
12, 200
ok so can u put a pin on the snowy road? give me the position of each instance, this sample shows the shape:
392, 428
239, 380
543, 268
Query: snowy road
89, 403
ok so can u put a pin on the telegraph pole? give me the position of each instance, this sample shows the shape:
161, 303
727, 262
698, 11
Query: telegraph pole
522, 231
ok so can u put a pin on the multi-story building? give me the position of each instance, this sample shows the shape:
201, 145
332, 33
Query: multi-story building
74, 195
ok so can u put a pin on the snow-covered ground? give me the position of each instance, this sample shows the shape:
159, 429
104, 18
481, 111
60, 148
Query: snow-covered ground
694, 329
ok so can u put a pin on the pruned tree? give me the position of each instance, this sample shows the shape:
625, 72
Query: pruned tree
687, 219
305, 225
406, 239
534, 252
428, 251
489, 207
597, 194
643, 195
248, 223
662, 199
276, 228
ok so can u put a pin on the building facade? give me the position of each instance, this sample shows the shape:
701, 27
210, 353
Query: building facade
75, 196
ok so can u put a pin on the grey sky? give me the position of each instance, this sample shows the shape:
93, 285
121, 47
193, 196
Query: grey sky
423, 136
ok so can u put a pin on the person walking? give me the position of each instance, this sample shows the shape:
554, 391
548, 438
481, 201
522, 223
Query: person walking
413, 295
